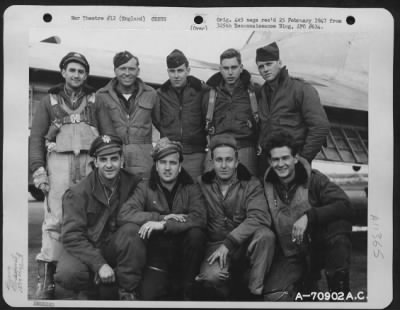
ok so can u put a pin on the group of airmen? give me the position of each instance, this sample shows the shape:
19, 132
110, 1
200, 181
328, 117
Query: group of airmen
225, 206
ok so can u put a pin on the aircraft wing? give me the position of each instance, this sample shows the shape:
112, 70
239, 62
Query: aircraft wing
333, 92
335, 64
338, 94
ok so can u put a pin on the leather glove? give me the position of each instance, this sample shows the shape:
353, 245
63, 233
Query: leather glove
41, 180
51, 146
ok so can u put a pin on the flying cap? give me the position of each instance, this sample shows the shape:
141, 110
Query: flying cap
74, 57
176, 58
166, 147
104, 145
223, 140
268, 53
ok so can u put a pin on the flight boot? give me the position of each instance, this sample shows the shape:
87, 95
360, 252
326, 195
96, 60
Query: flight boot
45, 287
127, 295
338, 281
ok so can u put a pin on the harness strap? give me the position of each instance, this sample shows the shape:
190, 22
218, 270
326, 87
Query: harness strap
210, 111
91, 98
78, 110
75, 116
53, 99
211, 108
253, 104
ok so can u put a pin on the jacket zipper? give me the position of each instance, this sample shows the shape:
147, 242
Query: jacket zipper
180, 114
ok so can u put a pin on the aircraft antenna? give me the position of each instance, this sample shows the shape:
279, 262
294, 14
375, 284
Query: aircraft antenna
249, 39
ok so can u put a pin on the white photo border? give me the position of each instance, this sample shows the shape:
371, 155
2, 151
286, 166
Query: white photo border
18, 24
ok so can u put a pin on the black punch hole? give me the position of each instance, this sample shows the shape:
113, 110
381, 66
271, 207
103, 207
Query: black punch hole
350, 20
198, 19
47, 17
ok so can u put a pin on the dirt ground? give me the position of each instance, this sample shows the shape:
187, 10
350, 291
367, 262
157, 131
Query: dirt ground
358, 271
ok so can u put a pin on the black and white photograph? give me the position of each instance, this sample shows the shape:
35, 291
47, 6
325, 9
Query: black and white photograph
228, 158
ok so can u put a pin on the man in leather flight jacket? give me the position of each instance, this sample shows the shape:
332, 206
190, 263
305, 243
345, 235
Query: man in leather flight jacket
97, 252
290, 104
312, 220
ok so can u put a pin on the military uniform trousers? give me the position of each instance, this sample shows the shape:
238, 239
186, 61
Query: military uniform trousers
173, 261
256, 255
293, 274
137, 158
118, 249
64, 170
193, 163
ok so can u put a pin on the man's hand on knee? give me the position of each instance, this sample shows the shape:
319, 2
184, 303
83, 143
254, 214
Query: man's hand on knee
221, 254
299, 228
212, 276
147, 228
106, 274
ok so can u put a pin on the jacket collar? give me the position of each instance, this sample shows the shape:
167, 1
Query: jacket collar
282, 76
97, 188
216, 79
87, 89
109, 88
191, 81
242, 174
302, 173
127, 184
183, 178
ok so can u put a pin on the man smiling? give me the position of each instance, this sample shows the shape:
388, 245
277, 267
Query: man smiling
239, 236
171, 214
130, 103
96, 249
180, 112
65, 123
311, 217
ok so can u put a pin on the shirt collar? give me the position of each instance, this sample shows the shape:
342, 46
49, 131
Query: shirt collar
109, 184
233, 180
